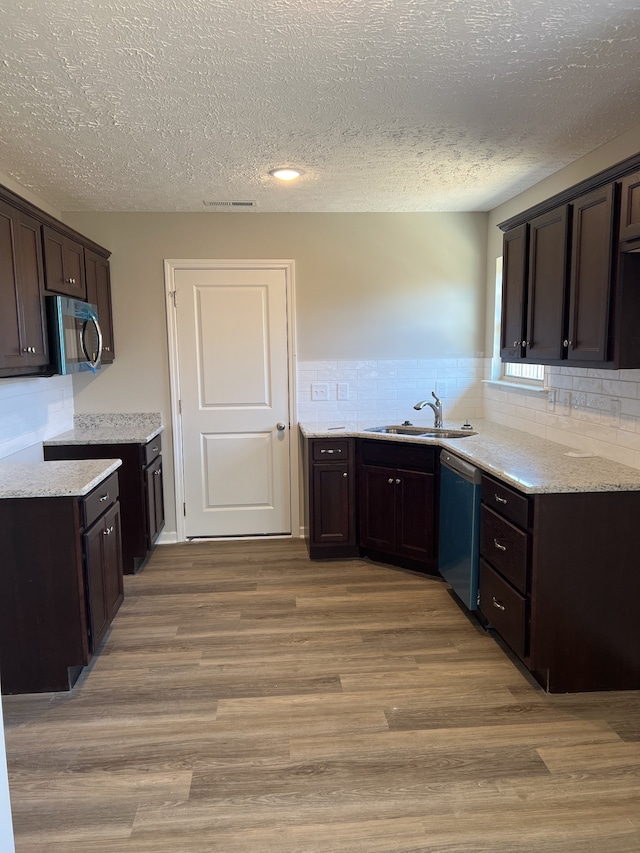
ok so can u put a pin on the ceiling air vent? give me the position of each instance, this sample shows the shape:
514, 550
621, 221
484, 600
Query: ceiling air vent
229, 205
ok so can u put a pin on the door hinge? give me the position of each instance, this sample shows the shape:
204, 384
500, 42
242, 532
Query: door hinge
173, 294
184, 509
179, 407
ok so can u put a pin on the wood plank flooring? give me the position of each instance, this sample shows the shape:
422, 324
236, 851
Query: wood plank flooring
248, 699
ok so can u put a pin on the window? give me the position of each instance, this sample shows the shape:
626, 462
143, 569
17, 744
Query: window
521, 372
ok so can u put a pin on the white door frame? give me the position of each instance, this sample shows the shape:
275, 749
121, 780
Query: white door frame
170, 267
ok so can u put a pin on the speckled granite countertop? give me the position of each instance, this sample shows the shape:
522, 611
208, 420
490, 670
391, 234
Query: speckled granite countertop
54, 479
110, 429
533, 465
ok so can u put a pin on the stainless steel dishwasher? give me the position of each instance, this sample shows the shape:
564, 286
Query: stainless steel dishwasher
459, 532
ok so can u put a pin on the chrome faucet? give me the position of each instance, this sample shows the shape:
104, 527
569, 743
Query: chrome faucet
437, 409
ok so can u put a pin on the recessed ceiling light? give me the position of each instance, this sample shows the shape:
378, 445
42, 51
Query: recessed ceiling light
286, 173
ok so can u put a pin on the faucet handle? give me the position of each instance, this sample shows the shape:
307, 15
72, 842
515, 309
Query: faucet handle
433, 394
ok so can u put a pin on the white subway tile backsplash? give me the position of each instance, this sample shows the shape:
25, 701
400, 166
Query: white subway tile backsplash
32, 410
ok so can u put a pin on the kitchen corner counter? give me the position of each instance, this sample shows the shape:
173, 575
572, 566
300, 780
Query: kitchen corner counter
533, 465
53, 479
110, 429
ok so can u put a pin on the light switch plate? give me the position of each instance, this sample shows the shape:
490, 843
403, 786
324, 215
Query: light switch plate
319, 391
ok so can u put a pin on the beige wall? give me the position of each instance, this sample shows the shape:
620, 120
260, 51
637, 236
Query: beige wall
367, 286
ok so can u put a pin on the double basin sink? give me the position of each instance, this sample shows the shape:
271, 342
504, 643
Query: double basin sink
422, 432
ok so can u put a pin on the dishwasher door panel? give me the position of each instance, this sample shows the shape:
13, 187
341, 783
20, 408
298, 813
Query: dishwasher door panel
459, 535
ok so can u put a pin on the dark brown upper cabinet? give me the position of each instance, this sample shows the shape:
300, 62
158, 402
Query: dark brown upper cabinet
63, 264
591, 276
23, 335
514, 291
546, 296
99, 294
630, 209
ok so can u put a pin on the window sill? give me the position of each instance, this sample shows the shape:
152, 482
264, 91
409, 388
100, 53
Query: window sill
517, 386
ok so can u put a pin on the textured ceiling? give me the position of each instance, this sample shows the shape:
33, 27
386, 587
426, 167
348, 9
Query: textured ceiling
387, 105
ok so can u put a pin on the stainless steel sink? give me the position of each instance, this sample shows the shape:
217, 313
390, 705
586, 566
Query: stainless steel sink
422, 432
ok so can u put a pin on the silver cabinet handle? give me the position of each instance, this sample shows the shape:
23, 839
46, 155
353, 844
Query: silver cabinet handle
281, 426
154, 449
497, 604
499, 546
331, 451
500, 500
104, 498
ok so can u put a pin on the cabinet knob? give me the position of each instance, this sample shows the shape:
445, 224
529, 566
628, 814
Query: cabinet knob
108, 531
516, 343
157, 472
397, 482
106, 349
390, 481
497, 604
567, 343
499, 546
26, 349
345, 474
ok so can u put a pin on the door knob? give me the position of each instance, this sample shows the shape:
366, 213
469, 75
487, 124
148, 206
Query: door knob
281, 426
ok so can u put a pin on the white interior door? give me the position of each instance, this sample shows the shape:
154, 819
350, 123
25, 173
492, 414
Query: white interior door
233, 370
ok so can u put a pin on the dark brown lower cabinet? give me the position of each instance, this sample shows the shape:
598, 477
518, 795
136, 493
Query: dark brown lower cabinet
330, 498
141, 492
397, 504
559, 582
60, 585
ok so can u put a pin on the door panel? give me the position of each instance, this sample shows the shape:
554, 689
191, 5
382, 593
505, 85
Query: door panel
234, 387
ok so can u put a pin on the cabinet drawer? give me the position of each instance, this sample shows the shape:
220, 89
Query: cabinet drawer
506, 501
505, 609
151, 450
97, 501
398, 455
505, 547
330, 451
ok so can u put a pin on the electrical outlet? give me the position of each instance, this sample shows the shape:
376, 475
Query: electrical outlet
319, 391
551, 400
343, 390
563, 402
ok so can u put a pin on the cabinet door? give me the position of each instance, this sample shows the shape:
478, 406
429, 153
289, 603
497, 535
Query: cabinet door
99, 294
514, 284
591, 270
415, 502
63, 264
331, 512
155, 499
546, 311
378, 508
630, 208
112, 562
103, 563
23, 340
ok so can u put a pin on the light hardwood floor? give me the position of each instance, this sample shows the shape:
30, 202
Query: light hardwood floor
247, 699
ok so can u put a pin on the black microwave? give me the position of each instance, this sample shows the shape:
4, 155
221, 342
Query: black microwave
74, 334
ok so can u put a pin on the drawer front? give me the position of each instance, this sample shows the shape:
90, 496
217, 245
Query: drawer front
509, 503
505, 609
151, 450
505, 546
330, 450
97, 501
398, 455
